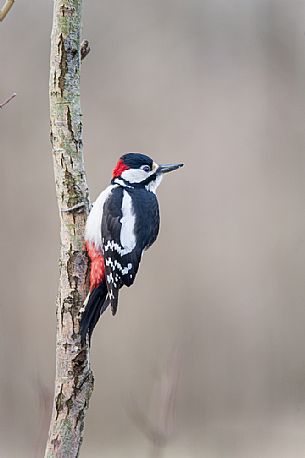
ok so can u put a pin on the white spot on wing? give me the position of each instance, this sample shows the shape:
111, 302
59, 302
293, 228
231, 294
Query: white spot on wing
110, 278
126, 269
113, 246
113, 264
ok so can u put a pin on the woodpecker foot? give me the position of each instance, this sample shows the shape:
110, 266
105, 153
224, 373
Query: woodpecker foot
72, 209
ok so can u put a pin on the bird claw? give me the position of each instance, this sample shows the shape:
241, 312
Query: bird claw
71, 209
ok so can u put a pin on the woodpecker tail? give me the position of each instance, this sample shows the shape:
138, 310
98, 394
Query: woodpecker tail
96, 305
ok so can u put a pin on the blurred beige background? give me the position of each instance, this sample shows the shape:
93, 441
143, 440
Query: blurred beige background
218, 85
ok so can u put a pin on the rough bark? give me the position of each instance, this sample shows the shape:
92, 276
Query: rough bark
74, 380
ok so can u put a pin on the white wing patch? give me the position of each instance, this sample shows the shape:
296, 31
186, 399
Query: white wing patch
127, 236
94, 221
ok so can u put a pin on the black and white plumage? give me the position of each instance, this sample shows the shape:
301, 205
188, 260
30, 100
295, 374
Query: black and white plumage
123, 222
130, 224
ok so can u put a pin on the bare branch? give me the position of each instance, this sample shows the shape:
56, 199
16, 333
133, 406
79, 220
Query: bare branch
5, 9
84, 49
11, 97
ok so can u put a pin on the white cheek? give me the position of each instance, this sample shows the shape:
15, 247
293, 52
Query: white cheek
134, 175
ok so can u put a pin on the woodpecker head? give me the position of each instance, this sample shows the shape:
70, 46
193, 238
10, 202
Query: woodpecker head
139, 170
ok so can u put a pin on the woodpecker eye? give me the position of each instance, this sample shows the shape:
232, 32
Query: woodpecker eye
146, 168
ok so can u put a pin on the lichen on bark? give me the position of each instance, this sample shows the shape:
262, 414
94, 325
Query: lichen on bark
74, 379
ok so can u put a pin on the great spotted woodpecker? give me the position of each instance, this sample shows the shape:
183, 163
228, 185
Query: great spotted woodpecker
123, 222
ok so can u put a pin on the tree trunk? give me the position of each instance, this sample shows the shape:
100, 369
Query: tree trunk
74, 380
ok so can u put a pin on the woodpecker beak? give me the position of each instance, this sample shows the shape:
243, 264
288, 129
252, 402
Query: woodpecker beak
165, 168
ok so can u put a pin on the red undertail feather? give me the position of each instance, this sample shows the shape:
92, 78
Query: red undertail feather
119, 168
97, 269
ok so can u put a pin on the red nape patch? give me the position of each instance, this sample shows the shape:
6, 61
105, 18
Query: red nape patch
119, 168
97, 268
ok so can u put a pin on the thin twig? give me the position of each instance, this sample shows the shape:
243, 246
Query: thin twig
5, 9
159, 430
8, 100
84, 49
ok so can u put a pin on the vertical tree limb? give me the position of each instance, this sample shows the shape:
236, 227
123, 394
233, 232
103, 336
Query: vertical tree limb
74, 380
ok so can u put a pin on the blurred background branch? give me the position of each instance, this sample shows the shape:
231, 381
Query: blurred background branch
5, 9
45, 396
158, 423
6, 101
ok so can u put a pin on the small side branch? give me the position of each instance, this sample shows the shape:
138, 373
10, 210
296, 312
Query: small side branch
11, 97
84, 49
5, 9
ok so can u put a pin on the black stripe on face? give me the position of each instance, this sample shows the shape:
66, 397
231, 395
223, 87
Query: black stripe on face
141, 184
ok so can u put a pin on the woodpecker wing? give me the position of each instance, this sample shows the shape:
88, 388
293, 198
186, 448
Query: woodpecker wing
121, 253
130, 224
